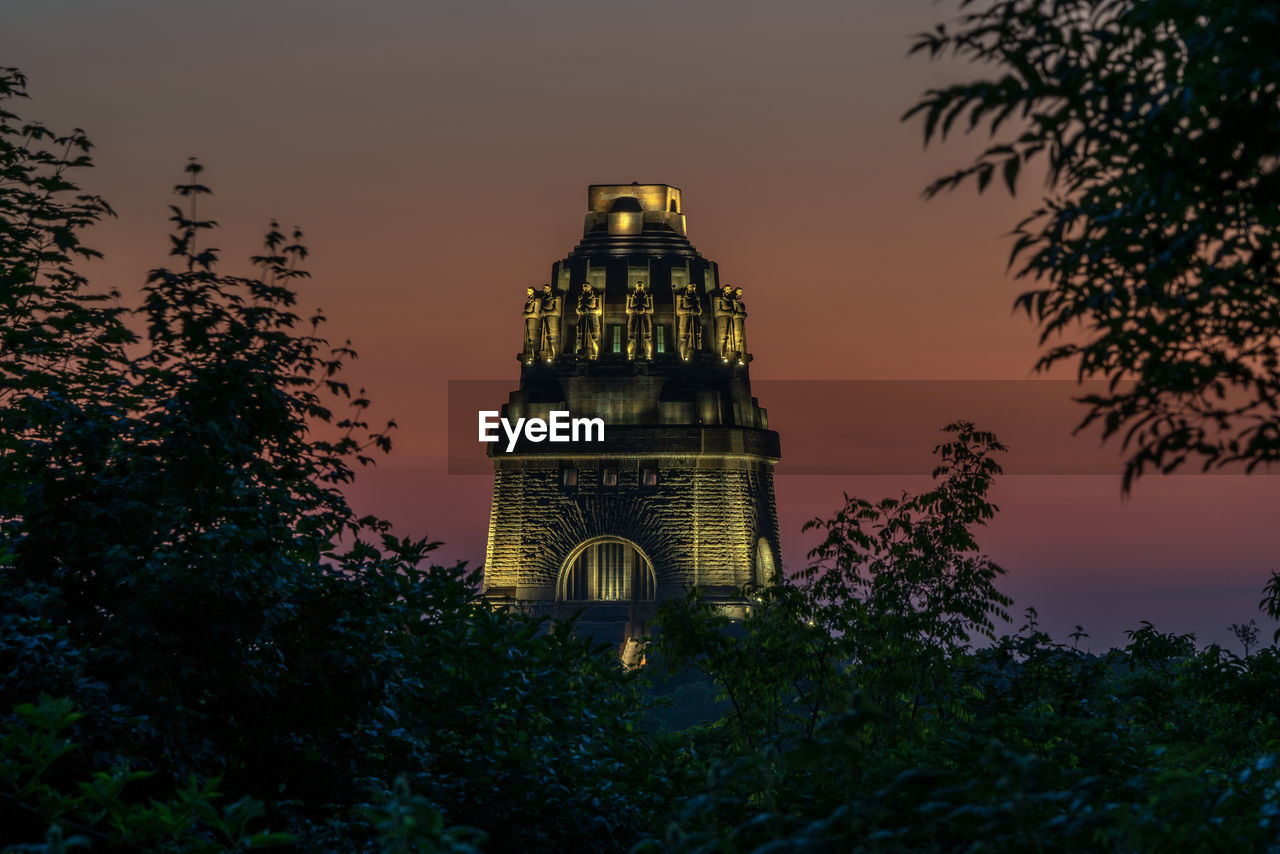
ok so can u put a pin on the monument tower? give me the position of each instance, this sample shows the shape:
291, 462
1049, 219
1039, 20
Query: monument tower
636, 328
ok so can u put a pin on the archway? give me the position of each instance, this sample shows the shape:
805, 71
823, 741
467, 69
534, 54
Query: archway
607, 569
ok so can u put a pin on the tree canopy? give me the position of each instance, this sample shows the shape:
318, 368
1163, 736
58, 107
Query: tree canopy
203, 647
1153, 251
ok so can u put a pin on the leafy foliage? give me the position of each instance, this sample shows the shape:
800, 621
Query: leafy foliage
903, 582
861, 717
178, 561
100, 810
1152, 250
1159, 746
896, 591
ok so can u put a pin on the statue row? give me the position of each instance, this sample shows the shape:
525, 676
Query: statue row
543, 310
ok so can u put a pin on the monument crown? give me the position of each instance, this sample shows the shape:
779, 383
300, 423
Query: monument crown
652, 197
634, 208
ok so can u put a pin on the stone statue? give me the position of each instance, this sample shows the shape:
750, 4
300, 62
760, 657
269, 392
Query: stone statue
740, 325
532, 326
689, 321
550, 313
590, 310
723, 307
639, 321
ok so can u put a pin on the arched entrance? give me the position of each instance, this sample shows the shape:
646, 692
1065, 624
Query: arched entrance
613, 583
607, 569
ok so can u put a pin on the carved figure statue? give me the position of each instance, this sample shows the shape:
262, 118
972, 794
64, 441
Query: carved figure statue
590, 310
532, 325
550, 313
689, 321
740, 325
640, 321
723, 307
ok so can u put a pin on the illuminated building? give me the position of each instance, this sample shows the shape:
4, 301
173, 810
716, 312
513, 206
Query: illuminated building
680, 493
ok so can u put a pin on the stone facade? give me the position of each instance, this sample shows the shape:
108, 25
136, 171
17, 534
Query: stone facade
683, 482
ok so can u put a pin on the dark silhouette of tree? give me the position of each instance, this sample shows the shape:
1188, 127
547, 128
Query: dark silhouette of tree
1153, 250
183, 577
903, 581
61, 344
859, 716
897, 592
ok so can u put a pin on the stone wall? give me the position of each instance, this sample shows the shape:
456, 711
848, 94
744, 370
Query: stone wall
699, 525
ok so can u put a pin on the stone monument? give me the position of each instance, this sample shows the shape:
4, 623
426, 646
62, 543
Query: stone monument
680, 492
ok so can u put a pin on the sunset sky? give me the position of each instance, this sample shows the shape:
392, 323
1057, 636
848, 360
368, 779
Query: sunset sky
437, 157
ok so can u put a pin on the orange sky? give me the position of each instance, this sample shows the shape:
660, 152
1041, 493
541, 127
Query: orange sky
437, 157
